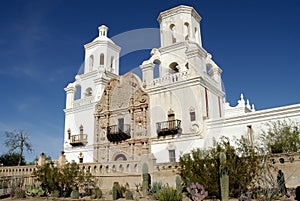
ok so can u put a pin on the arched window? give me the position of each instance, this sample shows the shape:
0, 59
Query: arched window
120, 157
173, 68
172, 156
186, 31
91, 62
192, 114
112, 63
208, 69
156, 68
196, 35
172, 28
77, 92
101, 59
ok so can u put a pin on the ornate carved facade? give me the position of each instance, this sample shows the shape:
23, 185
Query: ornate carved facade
122, 121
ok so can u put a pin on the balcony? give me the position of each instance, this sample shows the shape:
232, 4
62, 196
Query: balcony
171, 127
169, 79
83, 101
78, 140
117, 133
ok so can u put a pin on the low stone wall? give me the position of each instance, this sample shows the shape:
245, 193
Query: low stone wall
289, 163
131, 171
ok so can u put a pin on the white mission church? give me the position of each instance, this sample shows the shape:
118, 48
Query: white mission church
126, 118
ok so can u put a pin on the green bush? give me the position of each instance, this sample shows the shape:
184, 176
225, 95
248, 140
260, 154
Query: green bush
96, 193
128, 195
55, 194
35, 191
178, 184
19, 193
74, 193
169, 194
156, 187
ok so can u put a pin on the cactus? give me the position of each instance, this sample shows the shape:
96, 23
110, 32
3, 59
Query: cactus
96, 193
224, 178
156, 187
74, 193
127, 188
196, 192
116, 191
146, 179
128, 195
19, 193
178, 184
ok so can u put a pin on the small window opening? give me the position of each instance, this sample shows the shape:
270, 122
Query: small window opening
186, 31
172, 28
91, 62
193, 116
112, 63
101, 59
88, 92
77, 92
121, 124
172, 156
156, 69
173, 68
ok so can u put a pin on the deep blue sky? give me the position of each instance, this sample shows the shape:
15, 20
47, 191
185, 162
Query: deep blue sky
255, 42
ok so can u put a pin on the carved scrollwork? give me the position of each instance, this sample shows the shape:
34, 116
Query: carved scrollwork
99, 108
143, 98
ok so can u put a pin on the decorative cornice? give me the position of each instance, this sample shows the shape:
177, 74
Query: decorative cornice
173, 47
178, 10
102, 43
147, 66
257, 116
195, 81
80, 108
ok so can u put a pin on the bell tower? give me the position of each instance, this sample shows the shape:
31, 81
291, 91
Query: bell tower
102, 53
101, 64
179, 24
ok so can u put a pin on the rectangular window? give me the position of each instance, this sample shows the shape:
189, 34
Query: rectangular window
206, 103
193, 116
121, 124
250, 134
172, 156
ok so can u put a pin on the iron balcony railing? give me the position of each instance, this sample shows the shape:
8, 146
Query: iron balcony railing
78, 140
170, 127
116, 133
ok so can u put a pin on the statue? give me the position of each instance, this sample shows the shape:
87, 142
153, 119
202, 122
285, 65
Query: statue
224, 178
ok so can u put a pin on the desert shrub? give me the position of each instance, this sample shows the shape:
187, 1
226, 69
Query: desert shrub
169, 194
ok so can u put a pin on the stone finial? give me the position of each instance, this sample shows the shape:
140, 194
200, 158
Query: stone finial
241, 102
62, 160
81, 129
253, 108
80, 157
170, 111
248, 104
42, 160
